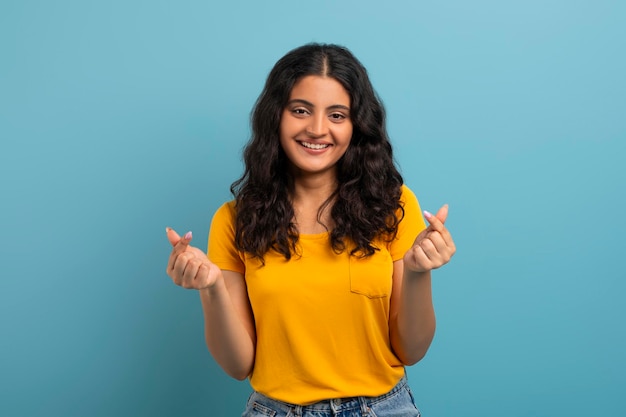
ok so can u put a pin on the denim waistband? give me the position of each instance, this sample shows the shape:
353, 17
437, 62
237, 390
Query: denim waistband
334, 405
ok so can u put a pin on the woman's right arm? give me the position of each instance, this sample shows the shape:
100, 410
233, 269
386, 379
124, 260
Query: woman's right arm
228, 320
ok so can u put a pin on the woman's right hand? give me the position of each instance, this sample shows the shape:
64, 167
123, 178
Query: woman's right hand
189, 267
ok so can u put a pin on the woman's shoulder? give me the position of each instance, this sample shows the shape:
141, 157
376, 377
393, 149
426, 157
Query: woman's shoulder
407, 195
228, 205
225, 213
410, 204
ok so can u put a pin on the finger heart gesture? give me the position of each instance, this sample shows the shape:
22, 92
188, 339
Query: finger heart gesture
188, 266
433, 247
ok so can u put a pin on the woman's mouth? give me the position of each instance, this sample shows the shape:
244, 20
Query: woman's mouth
315, 146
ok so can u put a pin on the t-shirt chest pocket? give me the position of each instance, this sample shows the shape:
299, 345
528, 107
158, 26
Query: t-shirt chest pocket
372, 276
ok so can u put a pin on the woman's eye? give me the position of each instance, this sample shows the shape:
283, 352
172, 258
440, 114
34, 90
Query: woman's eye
299, 111
337, 116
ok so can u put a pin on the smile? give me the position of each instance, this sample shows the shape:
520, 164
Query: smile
315, 145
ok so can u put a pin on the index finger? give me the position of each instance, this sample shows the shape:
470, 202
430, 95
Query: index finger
174, 238
180, 247
442, 214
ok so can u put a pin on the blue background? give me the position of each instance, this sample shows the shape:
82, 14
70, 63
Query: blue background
118, 118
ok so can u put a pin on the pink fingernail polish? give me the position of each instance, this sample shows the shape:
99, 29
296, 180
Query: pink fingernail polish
427, 214
188, 235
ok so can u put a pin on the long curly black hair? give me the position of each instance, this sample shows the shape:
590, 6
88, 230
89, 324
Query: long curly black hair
366, 203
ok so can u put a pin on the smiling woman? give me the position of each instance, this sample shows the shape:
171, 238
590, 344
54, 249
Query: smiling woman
315, 128
317, 284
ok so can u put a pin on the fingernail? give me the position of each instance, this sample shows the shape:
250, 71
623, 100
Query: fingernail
167, 229
427, 214
188, 235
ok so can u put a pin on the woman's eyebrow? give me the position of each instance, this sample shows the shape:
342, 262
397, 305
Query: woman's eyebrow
308, 103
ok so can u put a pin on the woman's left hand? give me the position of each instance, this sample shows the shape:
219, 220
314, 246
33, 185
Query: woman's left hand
433, 247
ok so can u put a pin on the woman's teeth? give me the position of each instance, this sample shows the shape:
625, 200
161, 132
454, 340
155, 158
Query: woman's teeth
314, 145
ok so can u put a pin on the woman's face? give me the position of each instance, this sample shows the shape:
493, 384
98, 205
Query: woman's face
315, 126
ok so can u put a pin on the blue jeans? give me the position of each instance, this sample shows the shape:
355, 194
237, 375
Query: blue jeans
398, 402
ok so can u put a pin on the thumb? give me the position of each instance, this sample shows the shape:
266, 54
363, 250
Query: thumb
437, 220
174, 237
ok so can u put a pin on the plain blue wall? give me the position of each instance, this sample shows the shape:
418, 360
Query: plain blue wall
118, 118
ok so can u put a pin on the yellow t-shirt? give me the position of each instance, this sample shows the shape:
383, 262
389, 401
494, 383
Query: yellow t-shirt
322, 319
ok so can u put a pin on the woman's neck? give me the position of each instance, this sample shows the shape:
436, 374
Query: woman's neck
309, 195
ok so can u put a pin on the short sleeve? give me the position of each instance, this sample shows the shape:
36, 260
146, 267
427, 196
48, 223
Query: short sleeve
410, 226
221, 249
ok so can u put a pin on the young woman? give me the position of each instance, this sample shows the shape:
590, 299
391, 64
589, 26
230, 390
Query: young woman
317, 284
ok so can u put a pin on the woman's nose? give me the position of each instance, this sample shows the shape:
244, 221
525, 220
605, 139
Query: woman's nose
317, 126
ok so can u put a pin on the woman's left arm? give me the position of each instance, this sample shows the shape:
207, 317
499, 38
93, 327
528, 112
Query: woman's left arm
412, 316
